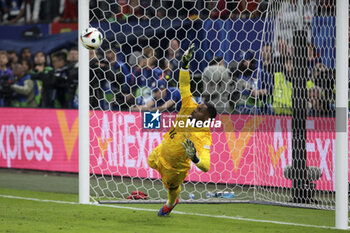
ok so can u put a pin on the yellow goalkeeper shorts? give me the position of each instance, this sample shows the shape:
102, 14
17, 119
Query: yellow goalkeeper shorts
171, 178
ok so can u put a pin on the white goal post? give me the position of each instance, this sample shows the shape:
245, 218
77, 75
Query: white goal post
84, 150
284, 139
342, 138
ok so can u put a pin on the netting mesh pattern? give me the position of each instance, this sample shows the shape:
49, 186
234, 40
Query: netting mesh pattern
267, 66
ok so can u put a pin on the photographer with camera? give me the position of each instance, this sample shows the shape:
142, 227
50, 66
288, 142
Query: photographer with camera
6, 79
24, 88
65, 83
42, 75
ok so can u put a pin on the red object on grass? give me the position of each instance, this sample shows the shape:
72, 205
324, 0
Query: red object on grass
137, 195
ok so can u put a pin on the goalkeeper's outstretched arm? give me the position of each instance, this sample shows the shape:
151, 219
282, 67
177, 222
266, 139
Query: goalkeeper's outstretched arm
184, 78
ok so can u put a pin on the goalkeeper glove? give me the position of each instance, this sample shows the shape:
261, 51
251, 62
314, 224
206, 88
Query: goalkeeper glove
187, 57
190, 150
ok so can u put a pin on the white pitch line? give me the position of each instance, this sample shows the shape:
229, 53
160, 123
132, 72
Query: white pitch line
175, 212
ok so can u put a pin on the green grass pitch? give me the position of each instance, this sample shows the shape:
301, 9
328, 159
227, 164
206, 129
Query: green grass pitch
62, 213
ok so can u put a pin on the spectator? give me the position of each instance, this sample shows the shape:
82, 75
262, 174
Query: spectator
12, 58
249, 8
145, 73
267, 58
149, 53
207, 9
143, 95
164, 99
166, 72
249, 86
116, 64
64, 84
115, 79
73, 62
42, 75
286, 22
70, 12
161, 13
312, 58
27, 65
156, 4
37, 12
6, 78
134, 58
326, 8
282, 94
220, 10
17, 11
24, 88
265, 74
217, 85
173, 54
279, 53
321, 91
107, 89
26, 54
133, 10
48, 11
148, 9
73, 57
3, 11
288, 19
309, 11
283, 88
56, 9
198, 10
316, 102
136, 10
263, 8
124, 9
175, 9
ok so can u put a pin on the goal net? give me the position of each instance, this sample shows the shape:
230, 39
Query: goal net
267, 66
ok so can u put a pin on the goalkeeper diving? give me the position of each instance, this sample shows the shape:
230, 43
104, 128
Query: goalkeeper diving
172, 158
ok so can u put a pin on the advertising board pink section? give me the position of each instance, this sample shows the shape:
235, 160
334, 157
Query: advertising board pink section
39, 139
251, 150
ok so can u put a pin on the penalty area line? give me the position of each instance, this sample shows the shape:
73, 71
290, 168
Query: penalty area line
174, 212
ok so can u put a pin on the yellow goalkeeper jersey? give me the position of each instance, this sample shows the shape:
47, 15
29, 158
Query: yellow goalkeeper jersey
172, 153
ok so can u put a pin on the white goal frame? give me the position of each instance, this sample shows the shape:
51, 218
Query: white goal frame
342, 25
84, 150
341, 156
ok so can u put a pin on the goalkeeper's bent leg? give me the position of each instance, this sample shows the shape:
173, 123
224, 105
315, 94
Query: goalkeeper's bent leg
173, 194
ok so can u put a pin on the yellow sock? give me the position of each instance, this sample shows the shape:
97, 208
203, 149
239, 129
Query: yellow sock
172, 196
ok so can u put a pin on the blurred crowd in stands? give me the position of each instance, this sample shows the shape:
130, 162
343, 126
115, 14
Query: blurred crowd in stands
28, 80
48, 11
38, 11
147, 79
149, 82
